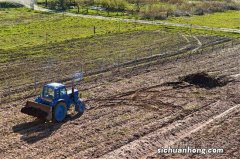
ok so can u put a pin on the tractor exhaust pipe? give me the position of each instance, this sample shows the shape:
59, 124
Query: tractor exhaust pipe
73, 90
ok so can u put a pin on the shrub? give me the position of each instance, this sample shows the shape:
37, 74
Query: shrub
154, 11
173, 1
112, 4
9, 5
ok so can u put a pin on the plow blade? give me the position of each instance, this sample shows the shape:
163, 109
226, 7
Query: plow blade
37, 110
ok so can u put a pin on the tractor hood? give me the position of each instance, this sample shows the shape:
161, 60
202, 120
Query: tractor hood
69, 92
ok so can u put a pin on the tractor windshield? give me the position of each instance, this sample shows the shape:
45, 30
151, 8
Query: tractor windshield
48, 92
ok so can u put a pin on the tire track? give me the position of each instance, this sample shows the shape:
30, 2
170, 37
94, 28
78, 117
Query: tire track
171, 134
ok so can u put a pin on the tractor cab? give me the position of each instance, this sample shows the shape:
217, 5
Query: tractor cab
53, 92
56, 92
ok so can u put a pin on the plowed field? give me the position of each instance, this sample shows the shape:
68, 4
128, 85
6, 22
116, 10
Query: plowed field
133, 111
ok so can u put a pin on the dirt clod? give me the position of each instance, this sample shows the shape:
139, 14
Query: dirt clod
204, 80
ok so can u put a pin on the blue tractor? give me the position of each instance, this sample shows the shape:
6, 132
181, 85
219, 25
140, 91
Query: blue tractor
54, 102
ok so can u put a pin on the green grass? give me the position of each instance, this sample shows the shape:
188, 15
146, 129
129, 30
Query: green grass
21, 28
228, 19
99, 47
93, 53
14, 16
31, 40
24, 28
201, 32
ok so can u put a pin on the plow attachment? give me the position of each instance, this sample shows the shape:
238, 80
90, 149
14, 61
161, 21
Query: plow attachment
37, 110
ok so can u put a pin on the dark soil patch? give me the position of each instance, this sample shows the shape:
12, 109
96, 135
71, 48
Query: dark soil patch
204, 80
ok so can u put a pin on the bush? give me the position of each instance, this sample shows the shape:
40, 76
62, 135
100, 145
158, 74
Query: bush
118, 5
156, 12
173, 1
9, 5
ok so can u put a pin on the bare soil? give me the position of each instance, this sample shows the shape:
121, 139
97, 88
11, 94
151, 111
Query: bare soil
136, 110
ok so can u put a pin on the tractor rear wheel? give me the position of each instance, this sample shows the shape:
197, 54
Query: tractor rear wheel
59, 112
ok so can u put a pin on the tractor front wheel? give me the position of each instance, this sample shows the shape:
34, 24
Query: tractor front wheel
80, 107
60, 112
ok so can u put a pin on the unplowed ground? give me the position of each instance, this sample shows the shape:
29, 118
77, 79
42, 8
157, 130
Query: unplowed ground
136, 111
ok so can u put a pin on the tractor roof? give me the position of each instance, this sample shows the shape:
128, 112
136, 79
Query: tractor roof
55, 85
